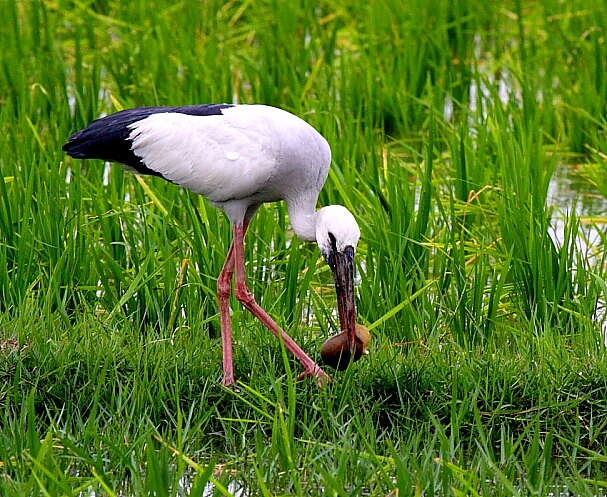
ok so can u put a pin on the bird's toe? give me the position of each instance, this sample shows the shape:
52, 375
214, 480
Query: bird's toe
322, 378
228, 381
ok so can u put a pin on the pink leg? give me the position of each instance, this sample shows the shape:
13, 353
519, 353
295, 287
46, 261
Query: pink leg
248, 300
224, 290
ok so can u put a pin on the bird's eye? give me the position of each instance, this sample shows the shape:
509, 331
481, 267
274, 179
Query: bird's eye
333, 241
330, 254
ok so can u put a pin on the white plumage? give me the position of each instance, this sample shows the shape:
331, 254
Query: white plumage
248, 154
338, 221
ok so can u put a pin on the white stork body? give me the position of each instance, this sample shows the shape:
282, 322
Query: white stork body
238, 157
248, 155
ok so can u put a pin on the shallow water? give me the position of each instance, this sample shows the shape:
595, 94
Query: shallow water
569, 193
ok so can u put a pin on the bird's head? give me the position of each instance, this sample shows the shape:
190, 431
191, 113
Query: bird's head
337, 235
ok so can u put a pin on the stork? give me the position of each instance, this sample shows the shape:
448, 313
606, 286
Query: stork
239, 157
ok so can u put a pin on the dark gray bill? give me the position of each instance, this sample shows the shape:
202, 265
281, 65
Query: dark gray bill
342, 264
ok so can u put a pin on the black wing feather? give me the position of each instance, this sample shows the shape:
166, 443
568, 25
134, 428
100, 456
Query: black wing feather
107, 138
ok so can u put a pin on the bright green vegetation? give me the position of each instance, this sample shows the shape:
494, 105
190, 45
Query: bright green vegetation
447, 121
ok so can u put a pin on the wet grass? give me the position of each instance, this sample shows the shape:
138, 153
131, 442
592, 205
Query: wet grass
447, 121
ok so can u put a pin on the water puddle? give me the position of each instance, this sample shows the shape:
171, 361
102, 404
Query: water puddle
185, 487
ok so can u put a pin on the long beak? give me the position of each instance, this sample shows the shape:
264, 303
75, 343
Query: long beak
342, 264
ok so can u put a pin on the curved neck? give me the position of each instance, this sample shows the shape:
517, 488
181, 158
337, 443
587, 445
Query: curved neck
303, 219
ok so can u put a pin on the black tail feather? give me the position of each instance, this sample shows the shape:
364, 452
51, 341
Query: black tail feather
107, 138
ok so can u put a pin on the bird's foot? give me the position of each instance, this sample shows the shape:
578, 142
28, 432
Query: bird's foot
322, 378
228, 381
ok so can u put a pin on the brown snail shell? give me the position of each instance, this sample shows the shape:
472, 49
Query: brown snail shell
336, 352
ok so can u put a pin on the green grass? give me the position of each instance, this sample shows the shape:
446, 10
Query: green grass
447, 120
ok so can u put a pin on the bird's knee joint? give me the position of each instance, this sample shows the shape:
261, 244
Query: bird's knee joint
244, 295
224, 287
223, 292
